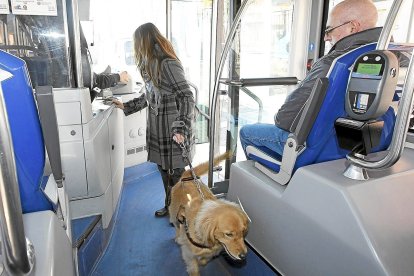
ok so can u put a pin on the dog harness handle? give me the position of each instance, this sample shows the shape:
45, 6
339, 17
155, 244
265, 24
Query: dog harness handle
195, 177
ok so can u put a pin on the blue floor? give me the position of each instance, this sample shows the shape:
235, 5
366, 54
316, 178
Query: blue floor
142, 244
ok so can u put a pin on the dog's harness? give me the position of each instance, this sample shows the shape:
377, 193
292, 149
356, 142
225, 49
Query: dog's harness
197, 182
188, 178
183, 221
194, 177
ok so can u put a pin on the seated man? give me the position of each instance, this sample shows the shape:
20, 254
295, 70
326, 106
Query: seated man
351, 24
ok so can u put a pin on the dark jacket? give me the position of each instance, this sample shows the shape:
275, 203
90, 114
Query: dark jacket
105, 80
175, 114
288, 115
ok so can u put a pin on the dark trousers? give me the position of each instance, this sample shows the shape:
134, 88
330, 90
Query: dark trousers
169, 181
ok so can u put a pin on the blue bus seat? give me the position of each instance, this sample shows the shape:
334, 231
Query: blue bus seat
26, 133
321, 143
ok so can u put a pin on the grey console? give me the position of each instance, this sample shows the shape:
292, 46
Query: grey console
322, 223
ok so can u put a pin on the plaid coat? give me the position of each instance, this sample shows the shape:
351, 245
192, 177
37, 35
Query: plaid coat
175, 115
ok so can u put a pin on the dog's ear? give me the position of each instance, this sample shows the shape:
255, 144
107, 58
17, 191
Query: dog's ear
205, 230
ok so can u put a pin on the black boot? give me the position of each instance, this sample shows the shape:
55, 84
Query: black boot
161, 212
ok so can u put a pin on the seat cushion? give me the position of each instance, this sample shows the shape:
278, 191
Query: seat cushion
265, 157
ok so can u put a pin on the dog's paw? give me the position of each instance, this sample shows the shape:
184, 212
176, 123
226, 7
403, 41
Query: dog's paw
203, 261
193, 269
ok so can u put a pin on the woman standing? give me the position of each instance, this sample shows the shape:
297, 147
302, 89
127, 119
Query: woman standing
171, 105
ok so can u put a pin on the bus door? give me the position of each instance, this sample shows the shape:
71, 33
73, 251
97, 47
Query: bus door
268, 57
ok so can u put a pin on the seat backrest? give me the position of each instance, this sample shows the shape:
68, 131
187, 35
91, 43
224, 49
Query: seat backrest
26, 133
321, 143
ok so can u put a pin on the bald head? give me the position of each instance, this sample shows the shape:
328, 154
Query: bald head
355, 15
363, 11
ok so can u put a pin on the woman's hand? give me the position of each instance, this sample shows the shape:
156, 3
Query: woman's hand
118, 104
178, 138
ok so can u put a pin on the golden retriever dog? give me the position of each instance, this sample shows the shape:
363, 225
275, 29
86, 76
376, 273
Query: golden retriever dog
206, 226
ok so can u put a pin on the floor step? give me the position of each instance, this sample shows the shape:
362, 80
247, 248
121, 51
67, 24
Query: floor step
82, 227
88, 239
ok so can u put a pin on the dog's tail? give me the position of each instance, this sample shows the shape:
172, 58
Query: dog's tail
203, 167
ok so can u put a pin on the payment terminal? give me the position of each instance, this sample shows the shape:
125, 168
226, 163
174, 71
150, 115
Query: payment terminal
371, 85
370, 90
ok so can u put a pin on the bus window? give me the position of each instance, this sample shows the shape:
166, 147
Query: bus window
129, 53
41, 41
261, 49
191, 39
113, 27
264, 56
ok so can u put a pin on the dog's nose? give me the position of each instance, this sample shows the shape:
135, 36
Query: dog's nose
242, 256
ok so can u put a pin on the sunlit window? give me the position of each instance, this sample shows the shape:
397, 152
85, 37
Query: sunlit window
191, 38
113, 27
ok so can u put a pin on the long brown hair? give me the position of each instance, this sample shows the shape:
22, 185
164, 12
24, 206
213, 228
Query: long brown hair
151, 47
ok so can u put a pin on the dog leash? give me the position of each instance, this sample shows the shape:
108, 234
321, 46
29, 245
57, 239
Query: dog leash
195, 177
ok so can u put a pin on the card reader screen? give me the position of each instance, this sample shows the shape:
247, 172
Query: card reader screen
369, 68
362, 101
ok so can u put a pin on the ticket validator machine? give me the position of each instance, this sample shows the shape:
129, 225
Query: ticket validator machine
371, 87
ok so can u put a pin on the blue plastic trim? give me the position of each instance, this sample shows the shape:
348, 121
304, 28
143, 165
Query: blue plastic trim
264, 162
26, 133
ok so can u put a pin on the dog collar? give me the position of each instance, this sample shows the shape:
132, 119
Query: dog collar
190, 178
187, 232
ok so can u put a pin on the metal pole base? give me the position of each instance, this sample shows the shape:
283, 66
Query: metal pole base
356, 173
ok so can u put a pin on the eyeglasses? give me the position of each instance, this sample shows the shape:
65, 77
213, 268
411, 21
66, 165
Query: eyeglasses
330, 29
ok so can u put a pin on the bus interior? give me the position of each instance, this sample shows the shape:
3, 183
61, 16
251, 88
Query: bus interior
77, 194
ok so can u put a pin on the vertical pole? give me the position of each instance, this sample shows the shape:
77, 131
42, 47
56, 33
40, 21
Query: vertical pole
233, 130
213, 105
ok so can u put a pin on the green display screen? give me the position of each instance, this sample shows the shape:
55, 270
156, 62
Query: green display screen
369, 68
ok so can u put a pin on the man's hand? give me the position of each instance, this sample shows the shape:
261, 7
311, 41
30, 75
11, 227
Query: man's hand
118, 104
123, 77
